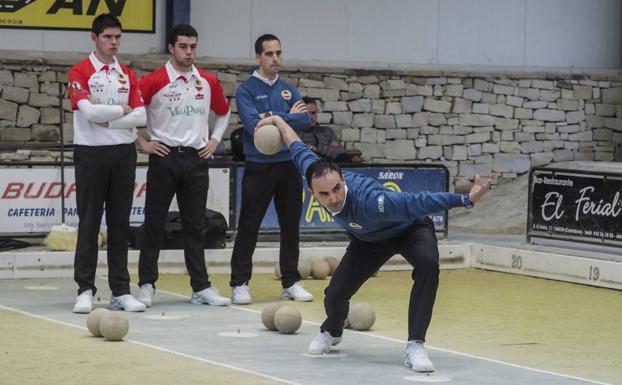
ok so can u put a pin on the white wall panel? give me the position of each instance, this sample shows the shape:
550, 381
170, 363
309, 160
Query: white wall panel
578, 33
481, 32
21, 39
393, 31
548, 33
224, 27
307, 29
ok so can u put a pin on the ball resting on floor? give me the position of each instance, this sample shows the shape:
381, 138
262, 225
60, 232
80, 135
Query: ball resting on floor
267, 315
304, 268
114, 326
287, 319
320, 269
94, 319
332, 263
361, 316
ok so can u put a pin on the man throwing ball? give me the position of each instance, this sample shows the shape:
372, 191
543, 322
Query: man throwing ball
381, 223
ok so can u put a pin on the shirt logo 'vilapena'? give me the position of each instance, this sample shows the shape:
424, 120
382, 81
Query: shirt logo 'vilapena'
186, 111
355, 226
109, 102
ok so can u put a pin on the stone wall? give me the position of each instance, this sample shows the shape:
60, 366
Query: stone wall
473, 121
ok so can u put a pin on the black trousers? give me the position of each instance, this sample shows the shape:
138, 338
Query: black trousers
180, 172
105, 176
262, 181
362, 259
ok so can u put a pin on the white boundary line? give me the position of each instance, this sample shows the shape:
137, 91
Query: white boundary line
204, 360
431, 347
493, 360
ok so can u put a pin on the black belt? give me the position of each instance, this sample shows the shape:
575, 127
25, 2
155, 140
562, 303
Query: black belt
182, 149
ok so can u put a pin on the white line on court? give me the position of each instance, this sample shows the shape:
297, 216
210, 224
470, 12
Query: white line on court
316, 324
430, 347
157, 347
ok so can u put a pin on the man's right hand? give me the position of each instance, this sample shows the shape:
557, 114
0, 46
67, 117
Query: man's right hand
154, 147
480, 189
287, 132
126, 109
298, 107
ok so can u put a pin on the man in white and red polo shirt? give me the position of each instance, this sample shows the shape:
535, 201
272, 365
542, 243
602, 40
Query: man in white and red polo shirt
179, 98
107, 107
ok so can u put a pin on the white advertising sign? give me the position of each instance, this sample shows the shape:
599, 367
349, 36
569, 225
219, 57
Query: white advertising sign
30, 199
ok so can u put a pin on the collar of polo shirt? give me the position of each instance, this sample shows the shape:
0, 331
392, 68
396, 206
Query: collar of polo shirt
269, 82
173, 74
99, 65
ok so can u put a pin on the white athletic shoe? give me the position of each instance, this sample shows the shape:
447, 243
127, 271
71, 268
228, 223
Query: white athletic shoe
84, 302
145, 294
209, 296
322, 343
416, 358
297, 292
126, 302
241, 295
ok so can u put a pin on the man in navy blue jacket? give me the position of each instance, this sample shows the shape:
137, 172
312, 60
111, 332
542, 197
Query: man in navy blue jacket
268, 176
381, 223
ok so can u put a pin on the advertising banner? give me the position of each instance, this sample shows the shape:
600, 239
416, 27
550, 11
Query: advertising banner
571, 205
30, 199
315, 217
135, 15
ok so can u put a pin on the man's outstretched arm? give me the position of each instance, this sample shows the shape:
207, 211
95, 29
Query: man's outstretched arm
303, 156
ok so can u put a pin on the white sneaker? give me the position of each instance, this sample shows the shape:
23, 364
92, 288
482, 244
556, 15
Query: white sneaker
126, 302
241, 295
416, 358
297, 292
322, 343
145, 294
209, 296
84, 302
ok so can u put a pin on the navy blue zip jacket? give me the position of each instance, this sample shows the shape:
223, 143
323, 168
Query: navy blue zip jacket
254, 97
372, 212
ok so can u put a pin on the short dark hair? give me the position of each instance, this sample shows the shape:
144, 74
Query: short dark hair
181, 30
103, 21
309, 100
321, 167
261, 39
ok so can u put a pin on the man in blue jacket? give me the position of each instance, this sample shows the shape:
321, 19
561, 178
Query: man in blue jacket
381, 223
268, 176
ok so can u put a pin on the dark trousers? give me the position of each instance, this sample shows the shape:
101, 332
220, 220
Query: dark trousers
262, 181
362, 259
185, 174
105, 176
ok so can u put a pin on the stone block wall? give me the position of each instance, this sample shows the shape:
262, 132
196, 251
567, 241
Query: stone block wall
473, 121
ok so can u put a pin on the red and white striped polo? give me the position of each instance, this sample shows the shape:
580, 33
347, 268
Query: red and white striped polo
178, 105
114, 85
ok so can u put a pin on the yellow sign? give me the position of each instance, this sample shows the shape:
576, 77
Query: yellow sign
316, 209
392, 186
135, 15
